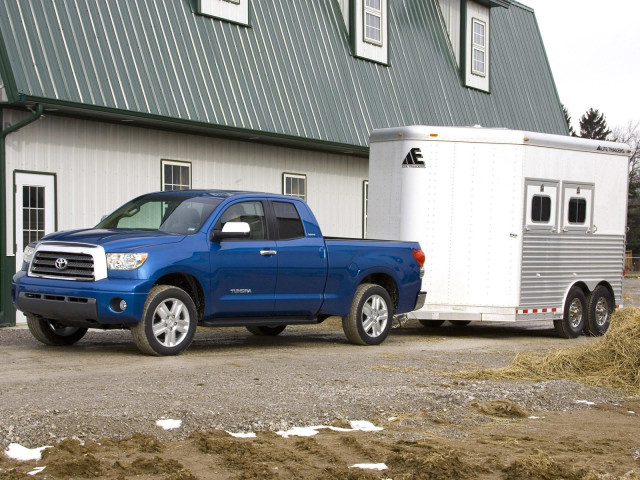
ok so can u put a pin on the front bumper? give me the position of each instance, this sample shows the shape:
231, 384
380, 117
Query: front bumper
89, 304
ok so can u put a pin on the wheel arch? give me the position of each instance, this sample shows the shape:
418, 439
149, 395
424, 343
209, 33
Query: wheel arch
387, 282
608, 286
189, 284
579, 284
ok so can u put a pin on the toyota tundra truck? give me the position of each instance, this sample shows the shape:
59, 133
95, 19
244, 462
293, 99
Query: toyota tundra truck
167, 262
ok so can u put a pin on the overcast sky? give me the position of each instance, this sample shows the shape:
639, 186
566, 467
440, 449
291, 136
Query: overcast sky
594, 52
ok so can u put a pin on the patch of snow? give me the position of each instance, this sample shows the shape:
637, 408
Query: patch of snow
241, 434
36, 470
586, 402
364, 426
631, 412
534, 418
169, 424
356, 425
23, 454
370, 466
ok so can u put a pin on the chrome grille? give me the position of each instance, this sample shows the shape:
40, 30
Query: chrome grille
79, 266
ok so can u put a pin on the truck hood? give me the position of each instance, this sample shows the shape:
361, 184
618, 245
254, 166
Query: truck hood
115, 240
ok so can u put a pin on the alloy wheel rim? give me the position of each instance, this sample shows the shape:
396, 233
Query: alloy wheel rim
171, 322
602, 311
375, 316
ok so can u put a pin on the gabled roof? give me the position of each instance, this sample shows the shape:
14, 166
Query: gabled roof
290, 75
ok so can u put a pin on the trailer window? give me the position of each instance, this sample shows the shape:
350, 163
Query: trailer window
540, 208
577, 210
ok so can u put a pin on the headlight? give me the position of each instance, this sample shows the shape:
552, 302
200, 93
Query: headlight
27, 256
125, 261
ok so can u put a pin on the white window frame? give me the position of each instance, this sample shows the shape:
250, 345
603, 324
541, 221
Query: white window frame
294, 176
375, 12
478, 47
176, 163
365, 206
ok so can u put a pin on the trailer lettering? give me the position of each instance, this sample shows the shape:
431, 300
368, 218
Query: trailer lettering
412, 160
611, 149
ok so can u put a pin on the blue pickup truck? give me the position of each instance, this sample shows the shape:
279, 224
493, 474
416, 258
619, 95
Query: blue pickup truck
166, 262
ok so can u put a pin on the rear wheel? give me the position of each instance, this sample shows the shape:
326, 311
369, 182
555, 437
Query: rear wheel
431, 323
53, 333
263, 331
370, 317
574, 318
599, 310
168, 324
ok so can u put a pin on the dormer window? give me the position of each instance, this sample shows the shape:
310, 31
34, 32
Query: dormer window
368, 21
236, 11
479, 48
373, 21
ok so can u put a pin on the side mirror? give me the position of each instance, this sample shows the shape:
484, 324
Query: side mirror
232, 230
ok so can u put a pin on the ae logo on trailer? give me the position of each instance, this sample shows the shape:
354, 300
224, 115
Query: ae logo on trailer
412, 160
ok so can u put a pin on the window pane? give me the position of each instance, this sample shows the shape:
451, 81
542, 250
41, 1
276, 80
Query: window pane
577, 210
478, 34
168, 174
372, 27
289, 223
478, 61
540, 209
295, 186
375, 4
249, 212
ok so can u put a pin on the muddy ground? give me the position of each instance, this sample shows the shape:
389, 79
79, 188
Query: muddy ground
97, 404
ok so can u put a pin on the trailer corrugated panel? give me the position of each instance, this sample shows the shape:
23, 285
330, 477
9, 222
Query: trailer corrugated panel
551, 262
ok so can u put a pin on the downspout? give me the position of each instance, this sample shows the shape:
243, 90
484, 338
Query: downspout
7, 266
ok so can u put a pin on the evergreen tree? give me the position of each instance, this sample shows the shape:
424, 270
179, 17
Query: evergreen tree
594, 125
572, 132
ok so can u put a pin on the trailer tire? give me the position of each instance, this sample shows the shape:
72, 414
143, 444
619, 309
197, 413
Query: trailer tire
460, 323
599, 310
370, 318
168, 323
431, 323
573, 320
264, 331
53, 333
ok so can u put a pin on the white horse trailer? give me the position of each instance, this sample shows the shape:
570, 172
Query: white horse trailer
515, 225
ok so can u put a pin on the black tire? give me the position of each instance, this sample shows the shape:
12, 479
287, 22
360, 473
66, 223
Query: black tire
173, 314
264, 331
431, 323
599, 310
574, 318
460, 323
53, 333
371, 315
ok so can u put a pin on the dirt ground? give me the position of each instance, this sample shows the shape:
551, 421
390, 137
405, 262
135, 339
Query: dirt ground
97, 403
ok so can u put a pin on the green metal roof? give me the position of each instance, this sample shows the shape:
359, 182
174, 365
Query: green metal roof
290, 74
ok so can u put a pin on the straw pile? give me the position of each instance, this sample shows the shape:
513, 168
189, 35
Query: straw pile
609, 361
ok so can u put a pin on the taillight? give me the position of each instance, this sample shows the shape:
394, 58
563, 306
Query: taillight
419, 256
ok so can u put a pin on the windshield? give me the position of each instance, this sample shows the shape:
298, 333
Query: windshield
164, 213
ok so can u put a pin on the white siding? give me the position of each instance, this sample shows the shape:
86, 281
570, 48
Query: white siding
451, 16
99, 166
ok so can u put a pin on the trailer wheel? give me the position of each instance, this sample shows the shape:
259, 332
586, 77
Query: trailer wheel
599, 310
168, 324
53, 333
574, 318
431, 323
263, 331
370, 317
460, 323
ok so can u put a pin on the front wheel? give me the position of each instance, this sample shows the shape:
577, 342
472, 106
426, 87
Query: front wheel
53, 333
574, 317
599, 310
370, 317
264, 331
168, 324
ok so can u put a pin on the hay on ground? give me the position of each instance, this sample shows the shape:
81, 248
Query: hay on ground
609, 361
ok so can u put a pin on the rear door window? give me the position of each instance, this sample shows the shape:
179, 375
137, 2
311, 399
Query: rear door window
288, 221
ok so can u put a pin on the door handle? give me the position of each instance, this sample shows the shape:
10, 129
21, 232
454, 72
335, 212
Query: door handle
268, 253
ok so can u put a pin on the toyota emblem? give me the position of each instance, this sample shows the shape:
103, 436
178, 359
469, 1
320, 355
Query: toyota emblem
61, 263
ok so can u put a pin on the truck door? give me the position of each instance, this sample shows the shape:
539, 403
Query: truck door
244, 271
302, 264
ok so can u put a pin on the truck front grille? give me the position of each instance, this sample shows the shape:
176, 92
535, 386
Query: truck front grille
63, 265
